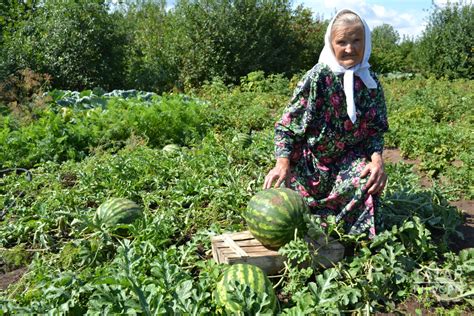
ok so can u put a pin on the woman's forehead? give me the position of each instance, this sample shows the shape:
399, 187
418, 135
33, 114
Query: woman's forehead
347, 29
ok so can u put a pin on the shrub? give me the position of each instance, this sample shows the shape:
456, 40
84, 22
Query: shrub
445, 48
78, 42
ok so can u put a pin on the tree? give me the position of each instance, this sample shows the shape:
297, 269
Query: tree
78, 42
152, 61
308, 33
230, 38
385, 55
446, 46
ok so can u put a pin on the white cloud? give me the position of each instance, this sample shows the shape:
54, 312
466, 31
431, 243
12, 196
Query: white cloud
409, 23
445, 2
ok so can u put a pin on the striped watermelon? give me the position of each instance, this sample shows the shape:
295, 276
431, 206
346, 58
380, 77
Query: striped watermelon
171, 148
116, 211
273, 215
245, 274
243, 140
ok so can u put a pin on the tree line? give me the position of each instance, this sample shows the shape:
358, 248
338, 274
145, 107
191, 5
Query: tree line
144, 44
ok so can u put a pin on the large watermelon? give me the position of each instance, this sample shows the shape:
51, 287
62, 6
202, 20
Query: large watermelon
273, 215
245, 274
116, 211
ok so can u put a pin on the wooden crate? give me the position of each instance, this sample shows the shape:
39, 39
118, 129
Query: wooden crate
242, 247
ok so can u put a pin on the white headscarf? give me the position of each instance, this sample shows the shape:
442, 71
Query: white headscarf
362, 70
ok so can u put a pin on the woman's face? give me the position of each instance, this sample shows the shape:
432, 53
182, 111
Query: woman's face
348, 43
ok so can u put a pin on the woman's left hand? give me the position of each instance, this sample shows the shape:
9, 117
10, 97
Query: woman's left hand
378, 178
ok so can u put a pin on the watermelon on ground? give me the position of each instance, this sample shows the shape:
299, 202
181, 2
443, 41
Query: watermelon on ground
249, 275
116, 211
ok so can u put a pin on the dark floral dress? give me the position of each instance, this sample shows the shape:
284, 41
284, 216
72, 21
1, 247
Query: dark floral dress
327, 151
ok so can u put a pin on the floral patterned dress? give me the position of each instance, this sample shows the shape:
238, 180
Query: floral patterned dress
327, 151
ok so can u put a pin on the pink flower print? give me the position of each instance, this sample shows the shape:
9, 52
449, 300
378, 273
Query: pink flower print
280, 144
338, 178
321, 148
302, 190
351, 205
333, 196
331, 206
319, 103
322, 167
340, 145
313, 204
325, 160
372, 132
335, 100
372, 231
360, 167
348, 125
312, 183
304, 102
328, 80
327, 116
371, 114
286, 119
356, 182
357, 84
369, 202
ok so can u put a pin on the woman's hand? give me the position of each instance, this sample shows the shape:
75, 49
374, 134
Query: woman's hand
280, 173
378, 178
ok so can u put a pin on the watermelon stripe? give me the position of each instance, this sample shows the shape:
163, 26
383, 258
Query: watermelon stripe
247, 274
272, 216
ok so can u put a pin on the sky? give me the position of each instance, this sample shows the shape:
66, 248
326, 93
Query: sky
408, 17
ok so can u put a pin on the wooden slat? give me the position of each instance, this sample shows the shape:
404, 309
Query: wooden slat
241, 243
242, 247
232, 245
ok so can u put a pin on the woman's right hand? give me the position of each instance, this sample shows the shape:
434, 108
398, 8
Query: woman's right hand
280, 173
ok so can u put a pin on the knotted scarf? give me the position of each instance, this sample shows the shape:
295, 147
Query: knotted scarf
362, 69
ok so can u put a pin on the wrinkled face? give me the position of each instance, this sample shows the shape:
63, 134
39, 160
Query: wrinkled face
348, 43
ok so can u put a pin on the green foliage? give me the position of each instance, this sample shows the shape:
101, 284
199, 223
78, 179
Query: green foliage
428, 121
232, 38
71, 133
445, 48
78, 42
385, 55
163, 265
153, 51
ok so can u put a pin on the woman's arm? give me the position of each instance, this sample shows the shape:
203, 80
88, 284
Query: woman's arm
290, 129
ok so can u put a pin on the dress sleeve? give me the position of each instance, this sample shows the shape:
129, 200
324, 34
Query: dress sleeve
379, 124
291, 127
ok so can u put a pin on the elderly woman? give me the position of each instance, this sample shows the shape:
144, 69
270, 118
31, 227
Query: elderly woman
329, 141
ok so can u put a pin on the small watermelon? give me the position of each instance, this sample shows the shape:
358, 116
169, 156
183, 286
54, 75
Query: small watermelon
243, 140
116, 211
171, 148
272, 216
245, 274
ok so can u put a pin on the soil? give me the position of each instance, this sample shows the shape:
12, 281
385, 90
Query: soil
466, 206
11, 277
